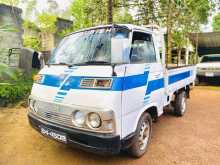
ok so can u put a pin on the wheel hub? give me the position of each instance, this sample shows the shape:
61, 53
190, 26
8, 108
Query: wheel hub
183, 105
144, 135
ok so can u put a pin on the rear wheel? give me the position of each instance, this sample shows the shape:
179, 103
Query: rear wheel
180, 104
197, 80
142, 136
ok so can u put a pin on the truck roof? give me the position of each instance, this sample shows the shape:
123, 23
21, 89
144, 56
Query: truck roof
127, 26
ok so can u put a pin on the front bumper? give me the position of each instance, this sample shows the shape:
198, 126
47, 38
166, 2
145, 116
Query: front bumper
93, 142
206, 74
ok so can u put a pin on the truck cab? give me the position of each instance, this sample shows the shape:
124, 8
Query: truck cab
103, 86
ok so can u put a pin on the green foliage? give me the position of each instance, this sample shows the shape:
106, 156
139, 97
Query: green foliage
10, 2
47, 22
64, 32
32, 42
11, 93
29, 25
123, 17
14, 85
216, 23
8, 74
80, 11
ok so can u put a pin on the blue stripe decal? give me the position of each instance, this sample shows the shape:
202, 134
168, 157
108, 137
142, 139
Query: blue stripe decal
119, 83
178, 77
154, 85
136, 81
59, 97
52, 80
62, 93
129, 82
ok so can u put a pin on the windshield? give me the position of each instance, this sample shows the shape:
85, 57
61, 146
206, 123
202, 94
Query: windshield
211, 59
90, 46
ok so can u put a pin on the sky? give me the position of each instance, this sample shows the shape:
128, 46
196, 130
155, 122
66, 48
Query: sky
63, 4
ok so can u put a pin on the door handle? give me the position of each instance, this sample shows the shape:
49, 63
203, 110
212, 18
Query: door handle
156, 75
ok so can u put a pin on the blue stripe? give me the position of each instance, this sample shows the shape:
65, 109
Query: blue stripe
154, 85
136, 81
59, 97
58, 100
52, 80
62, 93
178, 77
118, 84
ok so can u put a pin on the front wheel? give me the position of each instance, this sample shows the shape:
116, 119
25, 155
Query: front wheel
180, 104
142, 136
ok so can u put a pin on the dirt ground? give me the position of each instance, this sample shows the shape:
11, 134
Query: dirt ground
193, 139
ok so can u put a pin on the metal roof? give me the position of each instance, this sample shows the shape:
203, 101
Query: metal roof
206, 40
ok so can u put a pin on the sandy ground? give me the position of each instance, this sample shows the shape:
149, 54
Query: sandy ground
193, 139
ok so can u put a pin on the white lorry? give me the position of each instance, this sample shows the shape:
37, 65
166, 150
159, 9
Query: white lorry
103, 87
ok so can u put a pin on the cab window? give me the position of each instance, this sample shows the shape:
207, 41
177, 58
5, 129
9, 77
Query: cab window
142, 49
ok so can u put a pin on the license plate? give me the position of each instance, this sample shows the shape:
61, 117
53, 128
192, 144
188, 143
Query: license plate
53, 134
209, 74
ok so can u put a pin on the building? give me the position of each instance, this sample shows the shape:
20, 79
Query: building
206, 43
10, 16
51, 40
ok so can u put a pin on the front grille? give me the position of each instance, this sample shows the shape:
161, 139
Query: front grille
54, 113
210, 69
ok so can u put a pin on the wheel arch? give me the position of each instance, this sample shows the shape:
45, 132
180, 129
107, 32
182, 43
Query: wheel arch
186, 89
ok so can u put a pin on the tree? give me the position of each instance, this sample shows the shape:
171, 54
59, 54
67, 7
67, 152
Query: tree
123, 16
10, 2
110, 14
216, 23
183, 16
180, 17
32, 42
47, 22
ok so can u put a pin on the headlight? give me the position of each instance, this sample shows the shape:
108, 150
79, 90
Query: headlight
32, 104
79, 118
102, 122
94, 120
103, 83
38, 78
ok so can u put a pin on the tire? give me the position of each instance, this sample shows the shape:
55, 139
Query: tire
197, 81
142, 136
180, 105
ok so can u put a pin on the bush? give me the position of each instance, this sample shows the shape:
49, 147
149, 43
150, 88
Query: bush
12, 93
14, 86
32, 42
9, 74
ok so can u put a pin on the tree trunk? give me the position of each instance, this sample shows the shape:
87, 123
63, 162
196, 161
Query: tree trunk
179, 52
110, 13
169, 36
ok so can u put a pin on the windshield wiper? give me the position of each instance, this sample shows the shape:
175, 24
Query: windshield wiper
61, 63
91, 63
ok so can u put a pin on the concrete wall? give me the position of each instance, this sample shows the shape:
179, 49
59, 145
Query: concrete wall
10, 15
49, 40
